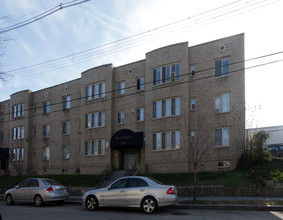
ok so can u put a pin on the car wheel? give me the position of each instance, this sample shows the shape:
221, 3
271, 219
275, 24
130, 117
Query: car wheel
91, 203
9, 199
149, 205
38, 201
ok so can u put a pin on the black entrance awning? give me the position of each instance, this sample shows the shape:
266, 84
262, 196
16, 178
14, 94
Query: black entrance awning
4, 153
126, 138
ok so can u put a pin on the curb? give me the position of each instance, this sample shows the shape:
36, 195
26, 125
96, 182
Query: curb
77, 200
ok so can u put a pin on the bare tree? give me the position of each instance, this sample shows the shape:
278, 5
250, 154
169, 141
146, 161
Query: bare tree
199, 145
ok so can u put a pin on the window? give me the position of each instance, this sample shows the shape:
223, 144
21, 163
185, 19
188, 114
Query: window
223, 164
66, 152
222, 137
18, 110
46, 131
140, 84
119, 184
222, 103
34, 183
46, 107
166, 140
140, 114
136, 182
222, 67
46, 153
121, 88
67, 102
166, 108
121, 117
66, 127
94, 147
95, 120
95, 91
193, 70
193, 104
18, 154
166, 74
193, 136
18, 133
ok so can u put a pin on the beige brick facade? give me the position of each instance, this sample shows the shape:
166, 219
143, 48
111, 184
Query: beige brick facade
84, 116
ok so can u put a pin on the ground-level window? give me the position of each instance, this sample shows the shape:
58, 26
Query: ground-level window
166, 140
223, 164
95, 147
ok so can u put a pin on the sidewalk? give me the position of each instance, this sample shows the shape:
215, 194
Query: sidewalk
215, 203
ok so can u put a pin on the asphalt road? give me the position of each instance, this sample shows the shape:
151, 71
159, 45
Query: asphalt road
76, 211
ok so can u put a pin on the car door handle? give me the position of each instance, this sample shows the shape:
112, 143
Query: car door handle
142, 190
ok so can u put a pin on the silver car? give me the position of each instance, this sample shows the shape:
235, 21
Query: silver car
37, 190
134, 191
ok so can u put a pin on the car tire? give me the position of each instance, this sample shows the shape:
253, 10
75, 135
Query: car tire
9, 199
149, 205
91, 203
38, 201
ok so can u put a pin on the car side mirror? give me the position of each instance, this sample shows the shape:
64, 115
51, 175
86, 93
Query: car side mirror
17, 187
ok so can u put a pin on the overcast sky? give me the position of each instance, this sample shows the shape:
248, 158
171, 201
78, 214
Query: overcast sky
122, 31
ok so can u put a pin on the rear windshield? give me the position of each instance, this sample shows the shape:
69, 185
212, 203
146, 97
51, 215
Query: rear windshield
156, 181
51, 182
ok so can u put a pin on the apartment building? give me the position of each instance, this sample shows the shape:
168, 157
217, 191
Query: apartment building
178, 106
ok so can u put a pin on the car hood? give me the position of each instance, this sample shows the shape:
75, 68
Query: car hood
93, 191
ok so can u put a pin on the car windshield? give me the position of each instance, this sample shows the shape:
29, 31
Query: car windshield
51, 182
156, 181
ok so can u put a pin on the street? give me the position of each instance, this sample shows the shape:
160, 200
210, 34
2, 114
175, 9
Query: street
76, 211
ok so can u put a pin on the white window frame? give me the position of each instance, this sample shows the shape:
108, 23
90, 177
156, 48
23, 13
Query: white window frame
223, 164
95, 91
121, 117
222, 103
46, 153
95, 147
18, 154
18, 133
66, 152
165, 74
224, 68
140, 83
140, 114
224, 139
95, 120
166, 140
66, 127
46, 131
18, 110
193, 104
166, 108
46, 107
121, 88
67, 102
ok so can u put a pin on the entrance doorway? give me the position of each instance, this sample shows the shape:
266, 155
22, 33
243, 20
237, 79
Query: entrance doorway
130, 159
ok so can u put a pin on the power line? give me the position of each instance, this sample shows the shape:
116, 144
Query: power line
123, 44
42, 15
154, 88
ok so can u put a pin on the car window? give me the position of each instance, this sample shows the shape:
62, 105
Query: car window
119, 184
51, 182
25, 183
34, 183
136, 182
